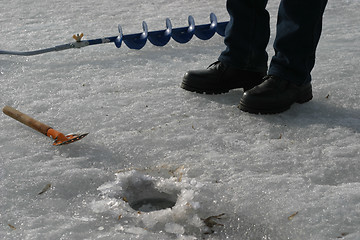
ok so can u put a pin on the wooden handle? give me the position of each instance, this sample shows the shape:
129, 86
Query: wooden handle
25, 119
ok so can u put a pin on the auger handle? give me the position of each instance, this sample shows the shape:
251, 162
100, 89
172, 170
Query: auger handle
25, 119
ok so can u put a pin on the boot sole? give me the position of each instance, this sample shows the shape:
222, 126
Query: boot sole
212, 91
306, 97
203, 91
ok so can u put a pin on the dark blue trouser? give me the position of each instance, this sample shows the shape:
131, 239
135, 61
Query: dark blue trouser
298, 32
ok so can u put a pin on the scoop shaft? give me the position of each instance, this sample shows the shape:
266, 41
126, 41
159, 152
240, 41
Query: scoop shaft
27, 120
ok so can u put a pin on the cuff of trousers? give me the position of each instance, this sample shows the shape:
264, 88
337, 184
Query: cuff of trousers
288, 75
251, 68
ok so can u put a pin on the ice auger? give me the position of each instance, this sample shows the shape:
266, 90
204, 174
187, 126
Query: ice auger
138, 40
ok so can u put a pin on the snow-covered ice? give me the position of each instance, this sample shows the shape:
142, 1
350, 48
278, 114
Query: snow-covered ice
229, 174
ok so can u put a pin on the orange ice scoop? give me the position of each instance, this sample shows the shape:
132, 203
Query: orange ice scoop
60, 138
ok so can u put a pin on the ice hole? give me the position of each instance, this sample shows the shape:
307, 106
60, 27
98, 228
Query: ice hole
152, 204
143, 196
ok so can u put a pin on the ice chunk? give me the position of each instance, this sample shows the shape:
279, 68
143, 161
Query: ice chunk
174, 228
136, 230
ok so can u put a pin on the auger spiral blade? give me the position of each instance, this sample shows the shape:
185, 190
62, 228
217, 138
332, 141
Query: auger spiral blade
184, 34
162, 37
207, 31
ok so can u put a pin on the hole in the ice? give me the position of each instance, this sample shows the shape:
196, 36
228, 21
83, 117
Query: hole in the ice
142, 195
152, 204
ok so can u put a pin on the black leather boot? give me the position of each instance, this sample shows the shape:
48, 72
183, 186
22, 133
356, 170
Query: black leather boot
274, 95
219, 78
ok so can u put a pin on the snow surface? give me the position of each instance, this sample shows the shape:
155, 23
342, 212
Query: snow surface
233, 175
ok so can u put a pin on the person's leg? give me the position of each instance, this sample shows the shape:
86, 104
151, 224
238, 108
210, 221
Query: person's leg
247, 35
298, 33
244, 62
